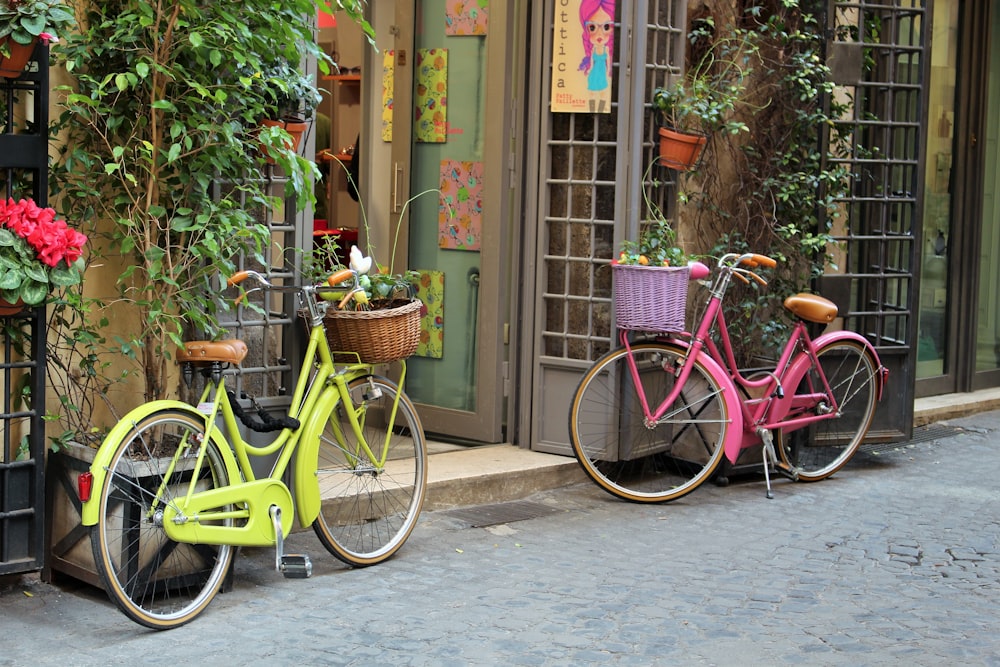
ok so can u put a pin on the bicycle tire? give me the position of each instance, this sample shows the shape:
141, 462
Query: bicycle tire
369, 511
155, 581
820, 450
624, 456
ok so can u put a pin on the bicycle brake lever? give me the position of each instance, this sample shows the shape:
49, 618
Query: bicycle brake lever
247, 293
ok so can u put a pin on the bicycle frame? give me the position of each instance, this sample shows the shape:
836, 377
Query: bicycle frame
316, 395
775, 408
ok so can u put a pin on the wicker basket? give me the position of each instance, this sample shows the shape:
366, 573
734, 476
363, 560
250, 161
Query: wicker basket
650, 298
377, 336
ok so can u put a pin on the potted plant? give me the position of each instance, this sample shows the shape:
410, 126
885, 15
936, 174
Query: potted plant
291, 97
37, 254
702, 101
22, 24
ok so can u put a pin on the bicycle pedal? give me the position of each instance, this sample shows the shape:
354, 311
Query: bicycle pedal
296, 566
786, 470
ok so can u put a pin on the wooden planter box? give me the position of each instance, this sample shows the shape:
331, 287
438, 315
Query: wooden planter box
68, 542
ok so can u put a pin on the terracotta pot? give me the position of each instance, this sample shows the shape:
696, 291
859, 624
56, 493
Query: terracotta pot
680, 151
294, 127
20, 54
8, 309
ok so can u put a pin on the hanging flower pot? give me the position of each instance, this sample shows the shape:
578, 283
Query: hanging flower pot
20, 54
680, 151
295, 127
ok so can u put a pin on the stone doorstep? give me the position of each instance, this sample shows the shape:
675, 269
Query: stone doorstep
952, 406
494, 473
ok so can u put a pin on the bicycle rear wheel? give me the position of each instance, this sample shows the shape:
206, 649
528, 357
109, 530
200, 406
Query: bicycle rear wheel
154, 580
823, 448
653, 463
370, 509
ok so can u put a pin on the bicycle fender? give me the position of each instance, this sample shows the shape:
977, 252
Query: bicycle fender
90, 510
306, 480
801, 364
734, 433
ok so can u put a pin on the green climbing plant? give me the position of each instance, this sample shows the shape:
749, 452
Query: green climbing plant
775, 188
163, 155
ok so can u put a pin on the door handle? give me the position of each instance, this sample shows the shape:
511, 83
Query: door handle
397, 185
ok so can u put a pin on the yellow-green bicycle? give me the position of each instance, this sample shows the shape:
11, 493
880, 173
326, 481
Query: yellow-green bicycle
171, 492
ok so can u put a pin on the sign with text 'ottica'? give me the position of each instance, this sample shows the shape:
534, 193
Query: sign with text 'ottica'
583, 50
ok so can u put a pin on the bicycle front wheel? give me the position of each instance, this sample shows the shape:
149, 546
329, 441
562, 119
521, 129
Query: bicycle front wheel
370, 506
823, 448
640, 461
155, 581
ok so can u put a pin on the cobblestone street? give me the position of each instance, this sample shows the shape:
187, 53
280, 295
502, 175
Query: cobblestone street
896, 560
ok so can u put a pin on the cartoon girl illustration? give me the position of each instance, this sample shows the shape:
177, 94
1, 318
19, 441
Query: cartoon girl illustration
597, 20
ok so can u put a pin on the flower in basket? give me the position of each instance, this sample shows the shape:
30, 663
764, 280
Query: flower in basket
24, 21
378, 289
657, 246
37, 252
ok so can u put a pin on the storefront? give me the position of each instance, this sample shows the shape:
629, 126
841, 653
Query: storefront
521, 297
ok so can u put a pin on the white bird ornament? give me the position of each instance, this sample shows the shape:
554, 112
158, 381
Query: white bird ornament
359, 262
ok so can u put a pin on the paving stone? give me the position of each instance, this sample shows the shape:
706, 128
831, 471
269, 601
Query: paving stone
889, 562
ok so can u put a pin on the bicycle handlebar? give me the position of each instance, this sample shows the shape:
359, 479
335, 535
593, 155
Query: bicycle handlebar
734, 264
333, 280
754, 260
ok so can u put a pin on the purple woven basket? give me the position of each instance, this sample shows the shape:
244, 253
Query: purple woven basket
650, 298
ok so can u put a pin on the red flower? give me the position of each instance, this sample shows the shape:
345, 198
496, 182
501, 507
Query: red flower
51, 239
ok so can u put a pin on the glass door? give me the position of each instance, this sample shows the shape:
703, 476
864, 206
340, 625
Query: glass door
449, 175
988, 309
935, 350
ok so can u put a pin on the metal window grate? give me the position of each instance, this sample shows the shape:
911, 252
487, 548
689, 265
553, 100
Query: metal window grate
879, 236
586, 191
272, 344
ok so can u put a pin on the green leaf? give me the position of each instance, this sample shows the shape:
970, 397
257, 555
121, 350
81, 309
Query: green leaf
10, 280
34, 293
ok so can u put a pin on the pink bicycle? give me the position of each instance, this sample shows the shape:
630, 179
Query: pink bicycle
651, 420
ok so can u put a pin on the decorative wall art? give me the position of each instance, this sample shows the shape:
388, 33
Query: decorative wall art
466, 17
461, 211
431, 124
430, 290
388, 74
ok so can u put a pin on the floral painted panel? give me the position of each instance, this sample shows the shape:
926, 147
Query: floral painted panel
388, 75
466, 17
431, 124
460, 214
430, 291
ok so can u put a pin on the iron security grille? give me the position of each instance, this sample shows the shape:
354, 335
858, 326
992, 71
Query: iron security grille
883, 45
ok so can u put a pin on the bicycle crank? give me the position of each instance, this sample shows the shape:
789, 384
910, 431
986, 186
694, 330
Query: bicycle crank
293, 566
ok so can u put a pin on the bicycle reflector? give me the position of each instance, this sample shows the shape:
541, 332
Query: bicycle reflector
84, 485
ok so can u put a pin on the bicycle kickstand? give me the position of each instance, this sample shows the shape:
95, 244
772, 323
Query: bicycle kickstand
293, 566
770, 458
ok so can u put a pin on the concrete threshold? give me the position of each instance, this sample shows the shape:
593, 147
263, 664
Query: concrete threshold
492, 474
952, 406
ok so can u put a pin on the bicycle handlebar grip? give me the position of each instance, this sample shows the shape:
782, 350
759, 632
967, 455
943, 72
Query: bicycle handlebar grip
339, 277
765, 261
237, 278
